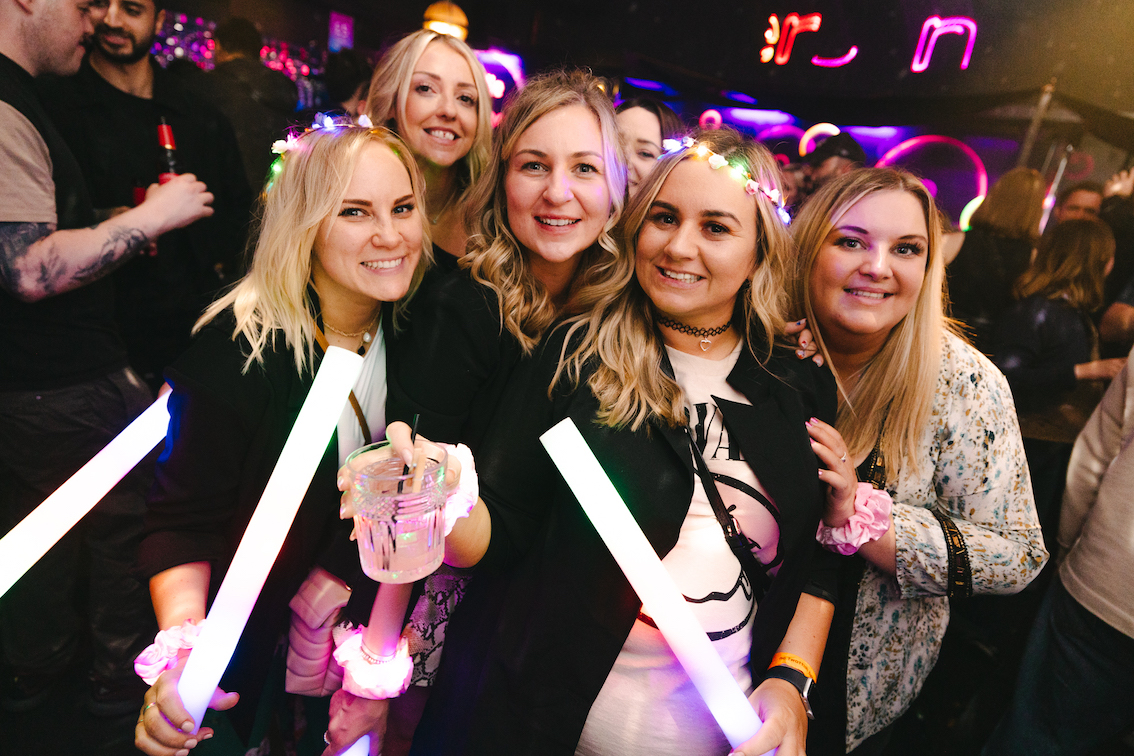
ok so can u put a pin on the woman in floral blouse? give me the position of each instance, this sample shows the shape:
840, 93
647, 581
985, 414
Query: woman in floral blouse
922, 416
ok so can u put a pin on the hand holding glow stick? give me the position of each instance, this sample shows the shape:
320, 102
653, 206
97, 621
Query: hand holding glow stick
25, 544
651, 581
267, 529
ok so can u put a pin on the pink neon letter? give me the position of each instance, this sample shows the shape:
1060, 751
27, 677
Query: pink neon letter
836, 62
794, 24
933, 28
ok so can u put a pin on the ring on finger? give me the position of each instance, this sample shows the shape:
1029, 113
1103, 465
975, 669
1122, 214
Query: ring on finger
843, 458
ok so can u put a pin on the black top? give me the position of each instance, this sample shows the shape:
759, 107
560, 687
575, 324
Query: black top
980, 281
548, 609
226, 431
113, 135
69, 338
1038, 343
452, 362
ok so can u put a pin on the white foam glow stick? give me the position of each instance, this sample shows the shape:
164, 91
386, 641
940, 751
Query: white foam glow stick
361, 747
25, 544
267, 529
651, 581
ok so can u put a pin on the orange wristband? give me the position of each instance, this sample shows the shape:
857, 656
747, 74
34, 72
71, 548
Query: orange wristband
796, 663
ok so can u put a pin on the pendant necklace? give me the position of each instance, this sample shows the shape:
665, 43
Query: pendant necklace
706, 334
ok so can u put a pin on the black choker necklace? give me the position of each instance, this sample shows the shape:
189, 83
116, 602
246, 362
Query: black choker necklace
704, 333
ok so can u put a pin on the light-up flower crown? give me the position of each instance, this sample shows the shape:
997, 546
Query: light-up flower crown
322, 122
751, 185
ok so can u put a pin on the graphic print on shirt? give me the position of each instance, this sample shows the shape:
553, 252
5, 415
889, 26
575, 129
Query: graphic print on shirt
744, 502
702, 560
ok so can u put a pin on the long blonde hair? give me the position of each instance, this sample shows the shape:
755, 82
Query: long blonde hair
390, 87
898, 386
617, 333
302, 196
1070, 265
494, 257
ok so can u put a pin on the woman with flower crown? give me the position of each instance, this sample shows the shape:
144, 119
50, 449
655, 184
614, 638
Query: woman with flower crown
342, 244
671, 374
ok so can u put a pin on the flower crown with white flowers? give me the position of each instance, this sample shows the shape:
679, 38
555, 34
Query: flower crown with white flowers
751, 185
322, 122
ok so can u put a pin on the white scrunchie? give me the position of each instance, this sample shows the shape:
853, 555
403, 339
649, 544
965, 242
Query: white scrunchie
461, 501
386, 678
162, 653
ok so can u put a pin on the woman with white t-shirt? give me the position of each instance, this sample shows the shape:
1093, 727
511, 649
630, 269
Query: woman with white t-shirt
673, 380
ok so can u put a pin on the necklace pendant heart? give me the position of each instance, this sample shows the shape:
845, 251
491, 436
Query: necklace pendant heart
705, 344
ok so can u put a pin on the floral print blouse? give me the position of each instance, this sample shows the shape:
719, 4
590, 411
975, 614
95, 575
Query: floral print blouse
973, 470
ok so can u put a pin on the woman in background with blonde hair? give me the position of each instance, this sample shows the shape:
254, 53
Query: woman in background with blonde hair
342, 244
922, 417
430, 89
994, 252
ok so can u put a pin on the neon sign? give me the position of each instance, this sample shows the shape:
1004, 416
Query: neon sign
710, 120
919, 141
780, 39
933, 28
807, 141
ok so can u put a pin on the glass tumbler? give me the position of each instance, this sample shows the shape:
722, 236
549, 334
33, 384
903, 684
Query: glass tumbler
399, 516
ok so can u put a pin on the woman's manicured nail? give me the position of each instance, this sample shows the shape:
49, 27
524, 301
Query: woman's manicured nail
191, 743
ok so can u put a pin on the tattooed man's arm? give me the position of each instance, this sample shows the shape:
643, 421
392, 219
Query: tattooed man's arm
37, 261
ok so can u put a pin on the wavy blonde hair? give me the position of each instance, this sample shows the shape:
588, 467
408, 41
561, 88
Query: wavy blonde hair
390, 87
272, 298
617, 333
494, 257
898, 385
1070, 265
1014, 205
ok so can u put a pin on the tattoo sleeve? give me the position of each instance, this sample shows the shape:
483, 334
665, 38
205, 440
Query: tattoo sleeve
120, 244
47, 271
15, 240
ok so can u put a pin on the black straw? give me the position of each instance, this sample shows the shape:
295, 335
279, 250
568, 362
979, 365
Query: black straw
412, 438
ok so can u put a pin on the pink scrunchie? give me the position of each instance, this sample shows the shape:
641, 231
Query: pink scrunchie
162, 653
870, 521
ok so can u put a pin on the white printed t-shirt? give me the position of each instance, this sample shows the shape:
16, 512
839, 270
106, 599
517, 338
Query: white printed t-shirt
648, 705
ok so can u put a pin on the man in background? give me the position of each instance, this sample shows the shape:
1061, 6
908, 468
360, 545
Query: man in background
65, 388
835, 156
109, 115
260, 102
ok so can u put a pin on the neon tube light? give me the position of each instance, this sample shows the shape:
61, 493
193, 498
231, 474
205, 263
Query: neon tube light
267, 529
795, 24
25, 544
911, 144
967, 213
836, 62
782, 130
650, 580
511, 63
933, 28
807, 141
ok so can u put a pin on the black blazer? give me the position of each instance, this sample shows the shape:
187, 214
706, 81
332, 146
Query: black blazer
226, 431
549, 610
